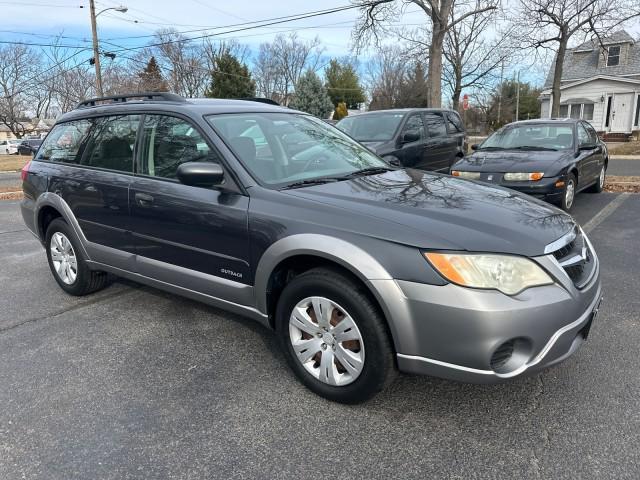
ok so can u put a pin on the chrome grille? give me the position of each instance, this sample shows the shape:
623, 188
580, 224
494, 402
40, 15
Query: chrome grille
576, 258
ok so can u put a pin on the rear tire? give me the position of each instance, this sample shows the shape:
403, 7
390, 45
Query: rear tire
599, 185
361, 342
67, 262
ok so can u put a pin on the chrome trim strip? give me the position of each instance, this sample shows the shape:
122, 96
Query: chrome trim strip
537, 359
566, 239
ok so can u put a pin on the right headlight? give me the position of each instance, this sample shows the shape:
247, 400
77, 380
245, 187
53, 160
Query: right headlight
506, 273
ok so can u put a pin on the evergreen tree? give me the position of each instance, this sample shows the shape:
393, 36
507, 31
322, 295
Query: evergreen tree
151, 79
343, 84
230, 79
311, 96
414, 90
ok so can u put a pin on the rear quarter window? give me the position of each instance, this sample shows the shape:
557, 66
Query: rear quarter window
65, 143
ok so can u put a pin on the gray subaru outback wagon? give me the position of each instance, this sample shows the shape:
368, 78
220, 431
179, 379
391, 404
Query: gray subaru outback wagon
360, 268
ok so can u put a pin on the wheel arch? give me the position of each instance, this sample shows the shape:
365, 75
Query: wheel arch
305, 251
49, 206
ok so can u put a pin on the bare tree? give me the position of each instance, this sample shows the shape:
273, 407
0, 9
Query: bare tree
281, 63
375, 13
473, 52
188, 73
17, 64
553, 23
385, 75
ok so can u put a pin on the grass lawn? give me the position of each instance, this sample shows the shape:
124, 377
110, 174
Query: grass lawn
629, 148
11, 163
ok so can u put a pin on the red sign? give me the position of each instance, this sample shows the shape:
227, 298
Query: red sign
465, 102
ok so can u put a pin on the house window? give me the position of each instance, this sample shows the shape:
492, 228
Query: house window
587, 111
564, 111
575, 110
613, 57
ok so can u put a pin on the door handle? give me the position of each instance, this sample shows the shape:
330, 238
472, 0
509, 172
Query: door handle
143, 199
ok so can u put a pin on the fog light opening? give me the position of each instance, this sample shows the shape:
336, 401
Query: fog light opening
511, 355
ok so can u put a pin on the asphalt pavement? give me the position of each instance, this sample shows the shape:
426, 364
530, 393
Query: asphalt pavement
10, 179
132, 382
627, 167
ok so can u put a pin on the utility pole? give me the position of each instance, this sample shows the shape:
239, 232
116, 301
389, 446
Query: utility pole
96, 53
500, 92
96, 50
518, 97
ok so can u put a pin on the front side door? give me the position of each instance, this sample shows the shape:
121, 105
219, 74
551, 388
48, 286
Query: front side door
412, 152
595, 160
193, 237
93, 170
440, 146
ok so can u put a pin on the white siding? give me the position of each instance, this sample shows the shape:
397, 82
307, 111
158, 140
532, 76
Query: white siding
545, 112
594, 91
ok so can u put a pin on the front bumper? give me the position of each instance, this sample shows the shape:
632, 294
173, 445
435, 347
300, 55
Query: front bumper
453, 332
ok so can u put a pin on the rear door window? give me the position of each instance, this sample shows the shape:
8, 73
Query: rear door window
454, 123
435, 125
111, 143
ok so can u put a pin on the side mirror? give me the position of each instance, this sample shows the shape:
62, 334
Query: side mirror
200, 174
474, 146
411, 136
588, 146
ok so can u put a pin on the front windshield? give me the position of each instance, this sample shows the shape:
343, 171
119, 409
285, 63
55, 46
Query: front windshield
280, 149
378, 127
535, 136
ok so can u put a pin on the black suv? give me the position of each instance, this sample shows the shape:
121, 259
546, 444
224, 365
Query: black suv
29, 146
425, 138
360, 268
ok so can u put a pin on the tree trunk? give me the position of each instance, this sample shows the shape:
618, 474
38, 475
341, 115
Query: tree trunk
557, 76
435, 64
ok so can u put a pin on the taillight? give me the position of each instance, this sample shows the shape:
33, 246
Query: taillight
25, 171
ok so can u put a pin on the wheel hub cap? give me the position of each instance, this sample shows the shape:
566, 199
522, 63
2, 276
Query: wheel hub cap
63, 258
326, 341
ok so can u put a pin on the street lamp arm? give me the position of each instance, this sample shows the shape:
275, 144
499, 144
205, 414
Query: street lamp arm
121, 9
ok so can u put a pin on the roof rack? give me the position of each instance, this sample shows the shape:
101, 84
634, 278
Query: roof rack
162, 96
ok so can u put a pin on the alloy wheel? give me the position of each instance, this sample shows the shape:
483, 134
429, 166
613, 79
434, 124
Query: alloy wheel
326, 341
569, 193
63, 258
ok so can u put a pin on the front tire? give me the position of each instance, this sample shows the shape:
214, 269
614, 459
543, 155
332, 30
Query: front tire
67, 263
334, 337
569, 193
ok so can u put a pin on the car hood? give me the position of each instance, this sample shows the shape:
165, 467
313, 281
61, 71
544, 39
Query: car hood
513, 161
428, 210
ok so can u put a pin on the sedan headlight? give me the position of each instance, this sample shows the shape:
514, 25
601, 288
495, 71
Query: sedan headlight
467, 175
506, 273
523, 177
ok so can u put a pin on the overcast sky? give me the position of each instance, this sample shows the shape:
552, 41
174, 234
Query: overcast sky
37, 20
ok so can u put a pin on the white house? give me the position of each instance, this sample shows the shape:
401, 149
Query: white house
600, 83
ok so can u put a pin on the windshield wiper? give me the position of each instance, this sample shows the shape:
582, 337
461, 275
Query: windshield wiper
366, 171
309, 181
531, 147
489, 148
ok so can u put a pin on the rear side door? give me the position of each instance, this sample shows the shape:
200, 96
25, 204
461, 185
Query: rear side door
413, 151
93, 168
193, 237
440, 147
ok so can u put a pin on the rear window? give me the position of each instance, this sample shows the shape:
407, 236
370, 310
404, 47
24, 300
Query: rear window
65, 143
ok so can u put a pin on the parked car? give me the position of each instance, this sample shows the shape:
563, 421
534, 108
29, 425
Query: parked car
29, 146
12, 146
360, 268
425, 138
549, 159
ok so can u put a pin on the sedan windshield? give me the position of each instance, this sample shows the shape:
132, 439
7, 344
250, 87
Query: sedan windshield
537, 136
378, 127
287, 149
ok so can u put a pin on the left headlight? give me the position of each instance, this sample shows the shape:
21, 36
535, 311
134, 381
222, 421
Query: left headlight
506, 273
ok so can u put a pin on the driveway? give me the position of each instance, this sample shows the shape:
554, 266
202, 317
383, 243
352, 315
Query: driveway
132, 382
